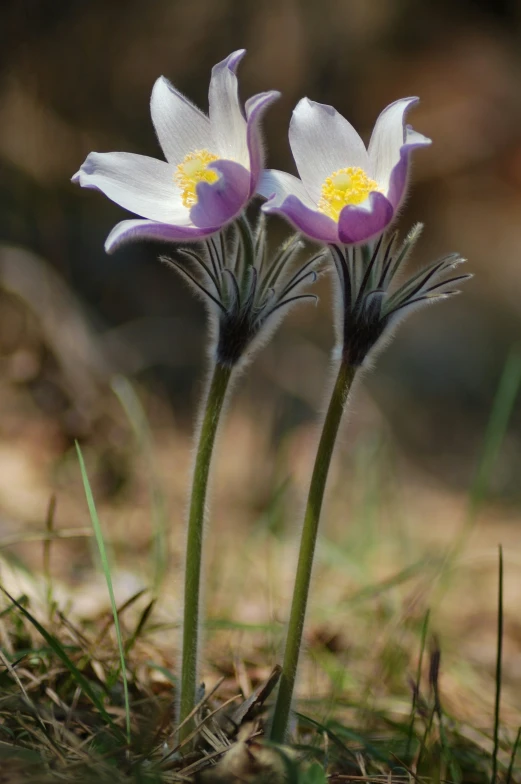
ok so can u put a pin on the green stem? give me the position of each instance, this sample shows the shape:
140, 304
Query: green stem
337, 404
213, 407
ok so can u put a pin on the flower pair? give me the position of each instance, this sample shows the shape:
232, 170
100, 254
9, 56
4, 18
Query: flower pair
345, 199
214, 167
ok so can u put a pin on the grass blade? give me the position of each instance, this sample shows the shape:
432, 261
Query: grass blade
58, 649
47, 544
131, 404
106, 570
417, 683
499, 659
509, 779
145, 615
377, 589
334, 735
501, 410
508, 390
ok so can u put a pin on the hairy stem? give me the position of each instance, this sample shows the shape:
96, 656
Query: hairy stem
212, 410
337, 404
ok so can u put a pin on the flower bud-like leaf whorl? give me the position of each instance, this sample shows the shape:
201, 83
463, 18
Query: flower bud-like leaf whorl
370, 305
246, 292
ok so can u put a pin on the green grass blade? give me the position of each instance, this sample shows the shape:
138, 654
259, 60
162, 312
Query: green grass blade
417, 684
341, 730
499, 660
58, 649
131, 404
145, 615
23, 600
163, 670
508, 390
509, 778
423, 643
376, 589
499, 418
315, 774
106, 570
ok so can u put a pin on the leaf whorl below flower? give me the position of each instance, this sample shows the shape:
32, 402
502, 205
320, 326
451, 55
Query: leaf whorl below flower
245, 290
370, 303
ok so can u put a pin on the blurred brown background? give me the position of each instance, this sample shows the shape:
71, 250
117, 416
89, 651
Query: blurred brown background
76, 76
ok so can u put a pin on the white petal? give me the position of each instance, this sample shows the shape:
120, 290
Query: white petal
389, 136
278, 185
226, 115
180, 126
322, 141
142, 185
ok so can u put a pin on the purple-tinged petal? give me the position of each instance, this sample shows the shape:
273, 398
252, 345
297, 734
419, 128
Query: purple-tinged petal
180, 126
221, 201
255, 108
288, 197
135, 230
389, 136
226, 116
322, 141
359, 224
400, 173
142, 185
312, 223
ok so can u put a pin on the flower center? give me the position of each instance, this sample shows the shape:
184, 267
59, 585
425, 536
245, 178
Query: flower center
343, 187
194, 169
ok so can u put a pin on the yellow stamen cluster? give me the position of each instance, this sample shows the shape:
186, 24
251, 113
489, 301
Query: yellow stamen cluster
194, 169
343, 187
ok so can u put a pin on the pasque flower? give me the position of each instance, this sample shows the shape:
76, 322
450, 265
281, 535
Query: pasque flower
212, 168
346, 193
346, 198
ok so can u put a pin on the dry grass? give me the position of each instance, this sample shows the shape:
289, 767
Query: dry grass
373, 706
364, 718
